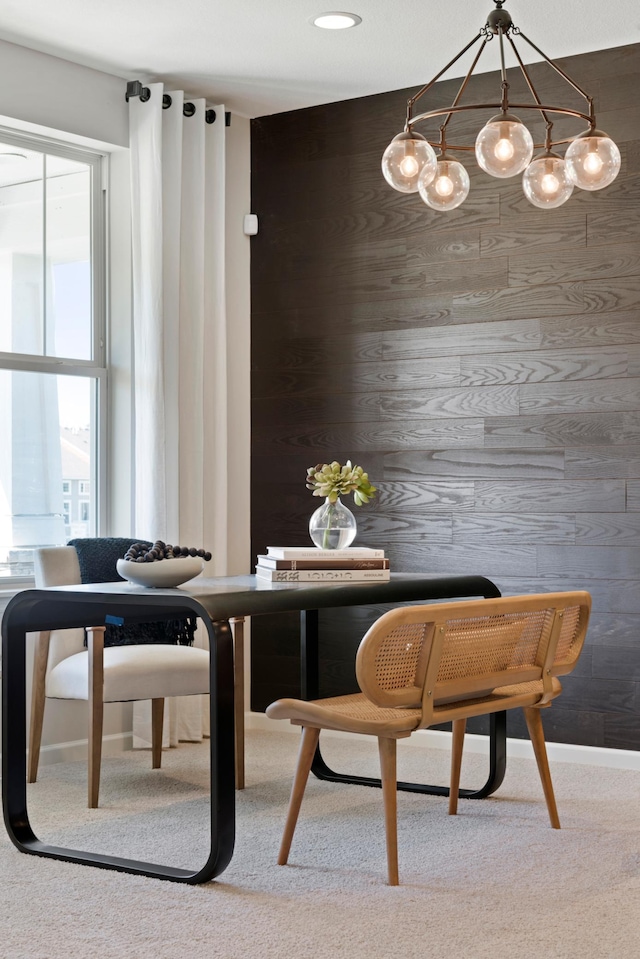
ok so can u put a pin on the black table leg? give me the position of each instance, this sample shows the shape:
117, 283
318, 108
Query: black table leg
14, 792
309, 683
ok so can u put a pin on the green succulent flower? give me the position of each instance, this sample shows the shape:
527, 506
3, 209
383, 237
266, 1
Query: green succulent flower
333, 480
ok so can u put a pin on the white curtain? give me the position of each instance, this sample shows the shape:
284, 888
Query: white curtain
180, 350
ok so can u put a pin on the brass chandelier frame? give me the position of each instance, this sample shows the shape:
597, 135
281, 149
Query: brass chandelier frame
500, 24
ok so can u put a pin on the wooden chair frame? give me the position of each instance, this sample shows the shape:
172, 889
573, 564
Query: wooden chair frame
419, 666
95, 649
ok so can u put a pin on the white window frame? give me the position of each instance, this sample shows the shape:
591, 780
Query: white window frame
96, 367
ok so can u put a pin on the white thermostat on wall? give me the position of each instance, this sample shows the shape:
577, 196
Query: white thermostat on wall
250, 224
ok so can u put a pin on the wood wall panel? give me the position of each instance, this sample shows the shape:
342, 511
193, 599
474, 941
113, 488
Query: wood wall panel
480, 337
551, 497
410, 434
583, 331
484, 366
532, 269
477, 463
624, 461
568, 231
556, 430
543, 365
633, 495
600, 396
614, 630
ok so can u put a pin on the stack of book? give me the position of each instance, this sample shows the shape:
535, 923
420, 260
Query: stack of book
301, 564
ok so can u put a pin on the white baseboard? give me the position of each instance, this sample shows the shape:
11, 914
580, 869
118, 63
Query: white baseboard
518, 748
112, 745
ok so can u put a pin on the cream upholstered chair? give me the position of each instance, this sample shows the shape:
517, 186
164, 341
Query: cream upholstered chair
422, 665
65, 669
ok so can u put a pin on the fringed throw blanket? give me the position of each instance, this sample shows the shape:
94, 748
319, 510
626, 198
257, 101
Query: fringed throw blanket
97, 558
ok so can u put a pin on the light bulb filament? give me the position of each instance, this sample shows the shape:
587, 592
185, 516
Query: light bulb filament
550, 183
504, 149
409, 165
592, 163
444, 185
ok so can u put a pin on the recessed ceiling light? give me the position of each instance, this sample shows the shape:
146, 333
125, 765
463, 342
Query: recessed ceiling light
336, 20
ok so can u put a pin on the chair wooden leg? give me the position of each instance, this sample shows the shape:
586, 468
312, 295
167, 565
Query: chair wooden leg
95, 643
157, 719
388, 775
457, 744
536, 732
308, 745
40, 659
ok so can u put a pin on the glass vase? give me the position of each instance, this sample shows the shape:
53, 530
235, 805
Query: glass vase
332, 526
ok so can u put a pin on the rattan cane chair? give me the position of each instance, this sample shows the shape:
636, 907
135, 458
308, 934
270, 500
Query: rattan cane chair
422, 665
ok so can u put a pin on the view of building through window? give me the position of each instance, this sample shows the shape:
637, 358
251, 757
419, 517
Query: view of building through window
50, 361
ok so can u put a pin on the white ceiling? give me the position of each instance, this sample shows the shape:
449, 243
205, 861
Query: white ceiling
264, 56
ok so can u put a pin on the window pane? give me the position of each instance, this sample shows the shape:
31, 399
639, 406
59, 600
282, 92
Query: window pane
45, 254
47, 433
21, 250
68, 250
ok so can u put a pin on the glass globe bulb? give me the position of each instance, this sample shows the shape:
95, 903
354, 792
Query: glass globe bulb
504, 146
593, 160
406, 158
546, 182
448, 188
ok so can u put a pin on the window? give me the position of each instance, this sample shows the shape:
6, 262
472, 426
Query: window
52, 358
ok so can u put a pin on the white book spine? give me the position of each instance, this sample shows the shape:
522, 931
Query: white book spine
301, 552
322, 575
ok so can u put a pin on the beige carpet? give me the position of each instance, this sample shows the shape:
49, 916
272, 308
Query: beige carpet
495, 881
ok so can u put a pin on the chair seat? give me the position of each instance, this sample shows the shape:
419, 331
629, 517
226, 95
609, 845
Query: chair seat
353, 713
356, 714
131, 673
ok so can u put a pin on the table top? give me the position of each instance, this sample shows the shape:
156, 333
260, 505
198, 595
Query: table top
223, 597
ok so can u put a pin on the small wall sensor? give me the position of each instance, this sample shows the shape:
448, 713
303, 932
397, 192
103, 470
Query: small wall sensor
250, 224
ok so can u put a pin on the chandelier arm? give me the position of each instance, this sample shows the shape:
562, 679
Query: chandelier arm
529, 81
503, 67
463, 85
564, 75
496, 106
503, 72
412, 100
471, 149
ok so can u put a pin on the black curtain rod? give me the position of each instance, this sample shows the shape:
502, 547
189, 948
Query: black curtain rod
136, 89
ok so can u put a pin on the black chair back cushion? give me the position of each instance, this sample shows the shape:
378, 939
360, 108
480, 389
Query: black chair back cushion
97, 558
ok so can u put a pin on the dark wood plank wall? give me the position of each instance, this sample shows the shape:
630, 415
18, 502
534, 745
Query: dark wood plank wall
483, 365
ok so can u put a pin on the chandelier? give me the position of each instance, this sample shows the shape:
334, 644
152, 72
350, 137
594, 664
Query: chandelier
504, 147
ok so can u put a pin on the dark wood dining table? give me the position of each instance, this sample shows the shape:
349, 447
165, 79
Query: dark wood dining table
215, 602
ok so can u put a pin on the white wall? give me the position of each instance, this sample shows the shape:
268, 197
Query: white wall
57, 98
238, 332
57, 95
